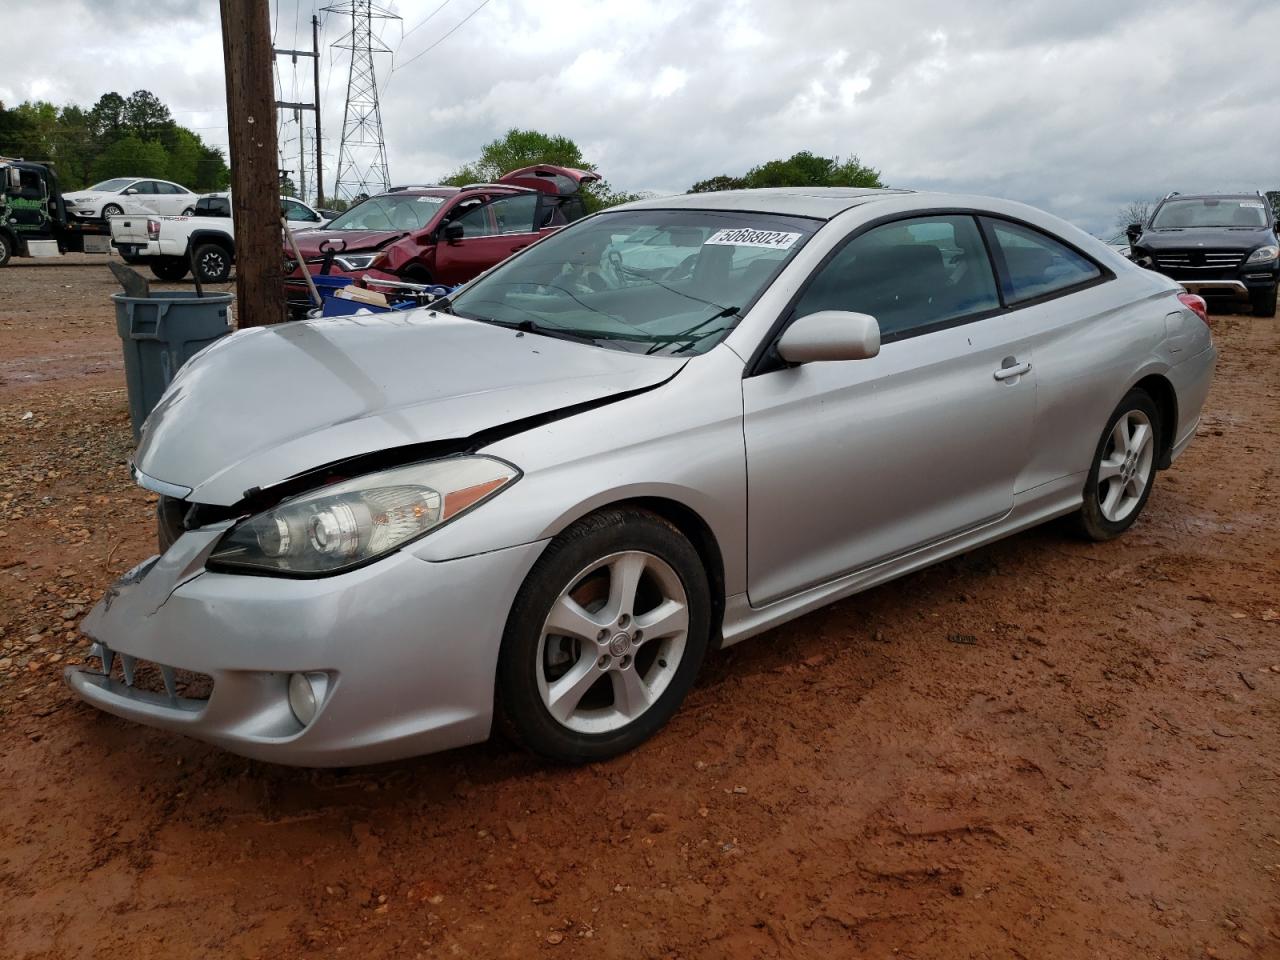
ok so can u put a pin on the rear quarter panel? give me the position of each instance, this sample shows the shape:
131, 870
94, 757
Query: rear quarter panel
1091, 348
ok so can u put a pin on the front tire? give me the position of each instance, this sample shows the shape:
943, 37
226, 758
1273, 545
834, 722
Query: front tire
169, 269
112, 210
1264, 303
6, 250
213, 262
1123, 470
605, 637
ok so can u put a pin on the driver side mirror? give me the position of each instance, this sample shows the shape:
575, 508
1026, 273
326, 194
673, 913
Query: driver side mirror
453, 232
1133, 232
130, 192
15, 178
830, 335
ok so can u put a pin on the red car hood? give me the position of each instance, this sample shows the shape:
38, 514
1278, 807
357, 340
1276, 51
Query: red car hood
309, 241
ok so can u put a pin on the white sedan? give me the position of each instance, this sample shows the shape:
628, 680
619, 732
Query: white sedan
111, 198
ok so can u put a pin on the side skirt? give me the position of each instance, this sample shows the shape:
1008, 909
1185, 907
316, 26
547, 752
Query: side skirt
1031, 508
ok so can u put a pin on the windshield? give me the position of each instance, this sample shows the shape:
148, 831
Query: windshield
1211, 212
389, 212
648, 281
111, 186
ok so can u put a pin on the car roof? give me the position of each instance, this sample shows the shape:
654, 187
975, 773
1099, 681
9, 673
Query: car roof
1214, 196
822, 203
423, 191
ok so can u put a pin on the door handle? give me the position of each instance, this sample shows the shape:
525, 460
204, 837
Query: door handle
1016, 370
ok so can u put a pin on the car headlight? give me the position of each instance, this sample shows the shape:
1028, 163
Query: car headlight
347, 524
1263, 254
357, 261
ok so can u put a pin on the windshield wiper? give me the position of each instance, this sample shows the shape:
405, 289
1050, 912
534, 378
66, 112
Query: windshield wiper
687, 337
545, 330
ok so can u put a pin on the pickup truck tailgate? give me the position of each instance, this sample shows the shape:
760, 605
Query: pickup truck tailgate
130, 229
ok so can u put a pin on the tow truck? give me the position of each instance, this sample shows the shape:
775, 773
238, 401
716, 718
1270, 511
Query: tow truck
33, 217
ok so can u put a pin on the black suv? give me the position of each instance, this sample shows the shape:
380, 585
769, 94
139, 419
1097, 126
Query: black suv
1221, 246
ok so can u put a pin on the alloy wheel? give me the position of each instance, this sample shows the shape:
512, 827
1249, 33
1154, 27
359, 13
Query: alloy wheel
1125, 468
612, 642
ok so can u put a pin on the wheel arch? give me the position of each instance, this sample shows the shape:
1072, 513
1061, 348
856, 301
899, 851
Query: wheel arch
694, 528
1161, 392
215, 237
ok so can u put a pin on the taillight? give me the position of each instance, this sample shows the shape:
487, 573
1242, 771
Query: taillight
1195, 303
153, 229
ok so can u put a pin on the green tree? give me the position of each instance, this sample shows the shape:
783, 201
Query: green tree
106, 118
722, 182
130, 157
524, 148
19, 136
516, 149
803, 169
134, 136
146, 117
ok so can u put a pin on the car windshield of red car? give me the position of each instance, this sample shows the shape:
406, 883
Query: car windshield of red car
389, 212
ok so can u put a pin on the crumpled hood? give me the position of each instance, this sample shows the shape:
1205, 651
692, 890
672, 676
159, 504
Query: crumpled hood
309, 241
269, 403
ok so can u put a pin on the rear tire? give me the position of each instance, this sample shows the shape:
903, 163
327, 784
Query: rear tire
578, 678
1123, 469
214, 262
1264, 303
169, 269
189, 212
6, 250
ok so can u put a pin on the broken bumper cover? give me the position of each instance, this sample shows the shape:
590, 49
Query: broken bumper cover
409, 648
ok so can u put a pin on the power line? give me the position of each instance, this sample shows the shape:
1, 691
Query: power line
455, 29
423, 21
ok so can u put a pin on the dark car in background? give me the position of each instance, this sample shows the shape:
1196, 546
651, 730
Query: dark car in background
435, 234
1221, 246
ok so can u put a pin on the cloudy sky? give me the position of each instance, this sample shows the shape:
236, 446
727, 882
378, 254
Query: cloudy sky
1077, 106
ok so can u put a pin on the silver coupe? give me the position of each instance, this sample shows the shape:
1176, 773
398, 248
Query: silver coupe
659, 431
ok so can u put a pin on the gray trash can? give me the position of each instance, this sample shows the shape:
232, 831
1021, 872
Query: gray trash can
159, 334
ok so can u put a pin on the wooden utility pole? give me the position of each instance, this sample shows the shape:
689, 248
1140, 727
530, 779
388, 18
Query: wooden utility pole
315, 63
255, 184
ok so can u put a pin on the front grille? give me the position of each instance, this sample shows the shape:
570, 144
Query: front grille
173, 682
1200, 259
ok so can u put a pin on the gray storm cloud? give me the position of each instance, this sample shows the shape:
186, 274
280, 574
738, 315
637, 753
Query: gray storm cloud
1075, 107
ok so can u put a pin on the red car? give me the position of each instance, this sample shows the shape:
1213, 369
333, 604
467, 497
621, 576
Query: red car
444, 235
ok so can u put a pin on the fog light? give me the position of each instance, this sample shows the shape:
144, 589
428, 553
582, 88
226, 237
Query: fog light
306, 693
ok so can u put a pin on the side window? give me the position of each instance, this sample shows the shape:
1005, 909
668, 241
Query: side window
1035, 264
32, 187
145, 187
167, 188
296, 212
515, 214
910, 275
475, 222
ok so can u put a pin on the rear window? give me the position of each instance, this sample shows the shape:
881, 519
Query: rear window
213, 207
1037, 265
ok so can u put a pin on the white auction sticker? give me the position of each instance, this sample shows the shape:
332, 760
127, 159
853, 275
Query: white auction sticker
747, 237
1251, 203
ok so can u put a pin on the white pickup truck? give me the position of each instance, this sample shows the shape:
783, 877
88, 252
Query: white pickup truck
169, 245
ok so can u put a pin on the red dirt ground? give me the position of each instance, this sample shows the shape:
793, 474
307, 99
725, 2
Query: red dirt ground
1098, 775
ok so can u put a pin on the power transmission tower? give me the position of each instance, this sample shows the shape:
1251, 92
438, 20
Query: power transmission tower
362, 157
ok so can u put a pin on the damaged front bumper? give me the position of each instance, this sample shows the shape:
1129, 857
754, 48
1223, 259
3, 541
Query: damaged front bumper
407, 647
